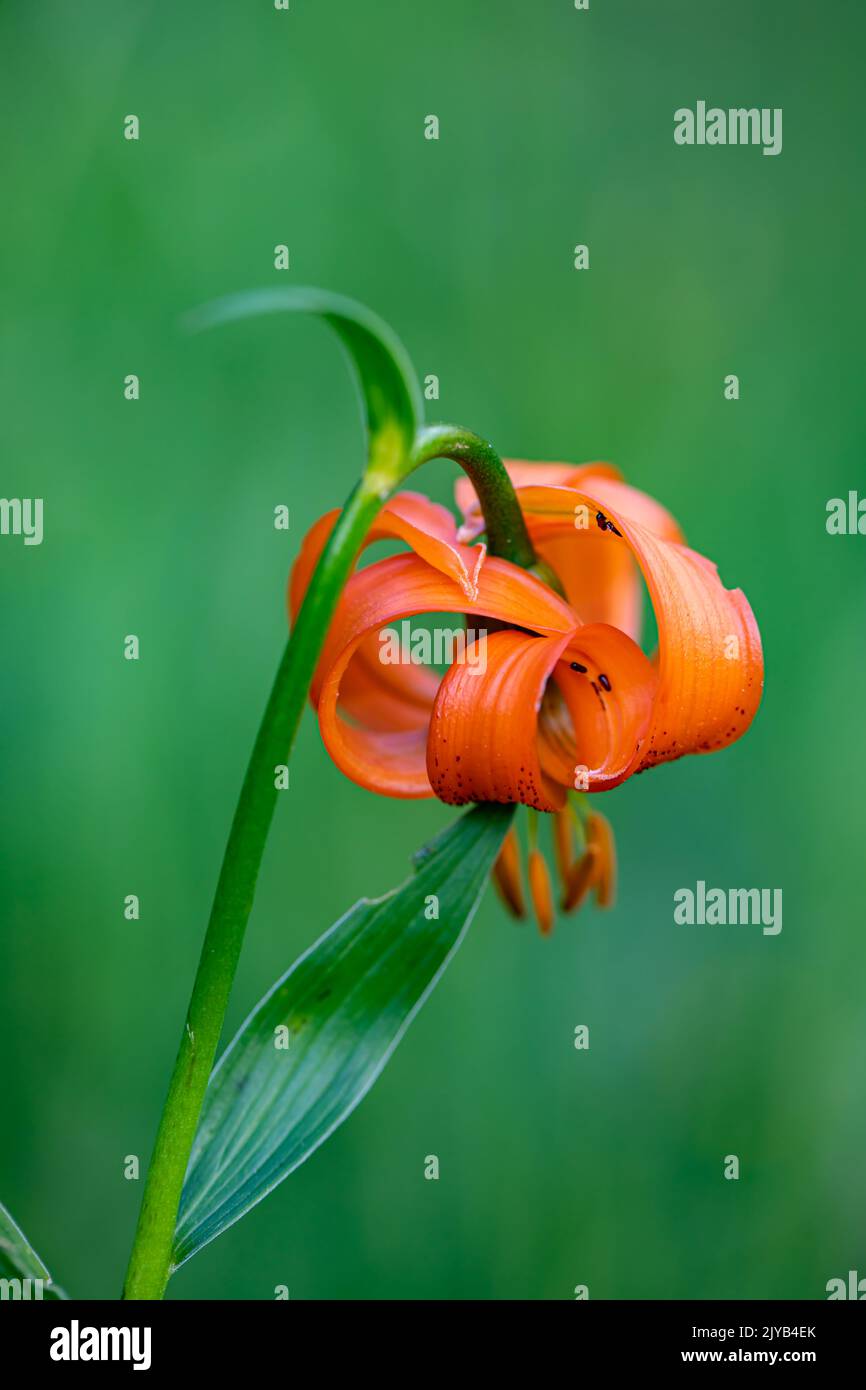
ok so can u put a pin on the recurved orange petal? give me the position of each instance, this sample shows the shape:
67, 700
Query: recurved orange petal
484, 738
428, 528
600, 581
394, 697
596, 709
710, 663
395, 761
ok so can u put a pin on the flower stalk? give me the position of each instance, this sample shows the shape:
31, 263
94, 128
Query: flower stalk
507, 535
150, 1264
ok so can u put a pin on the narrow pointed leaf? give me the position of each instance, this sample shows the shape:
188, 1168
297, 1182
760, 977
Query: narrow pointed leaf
342, 1008
389, 388
22, 1273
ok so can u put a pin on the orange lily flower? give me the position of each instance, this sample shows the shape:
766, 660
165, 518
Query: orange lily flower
565, 699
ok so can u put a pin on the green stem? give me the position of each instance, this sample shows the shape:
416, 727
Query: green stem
507, 535
150, 1264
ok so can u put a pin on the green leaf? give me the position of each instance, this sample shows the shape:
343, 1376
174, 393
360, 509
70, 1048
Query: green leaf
389, 388
20, 1262
346, 1004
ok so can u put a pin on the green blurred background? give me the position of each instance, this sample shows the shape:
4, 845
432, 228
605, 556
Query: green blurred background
257, 127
